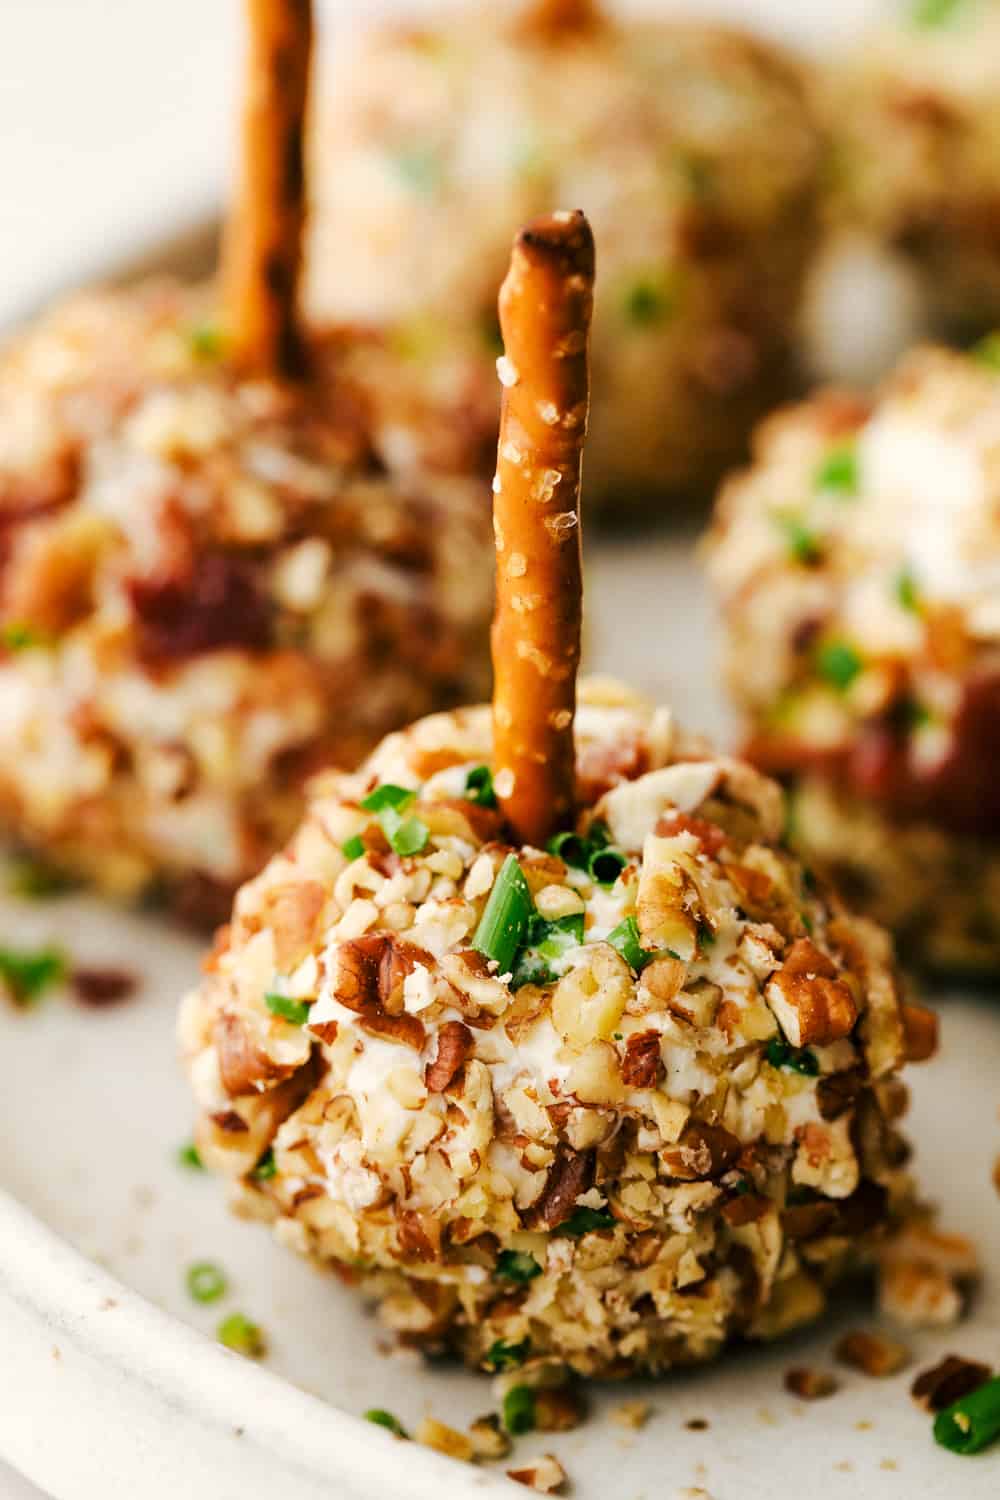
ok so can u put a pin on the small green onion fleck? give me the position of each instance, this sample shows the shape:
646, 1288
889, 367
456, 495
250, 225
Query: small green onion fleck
238, 1333
605, 865
479, 787
987, 351
266, 1168
803, 543
838, 473
17, 635
780, 1054
206, 341
405, 835
206, 1281
519, 1410
502, 1355
387, 1420
29, 973
294, 1011
188, 1156
505, 919
625, 938
353, 848
585, 1221
517, 1265
905, 588
971, 1423
838, 663
388, 795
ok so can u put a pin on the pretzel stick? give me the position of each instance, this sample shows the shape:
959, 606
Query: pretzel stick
545, 307
263, 243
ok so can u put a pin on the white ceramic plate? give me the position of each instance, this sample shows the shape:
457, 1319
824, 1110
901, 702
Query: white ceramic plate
110, 1368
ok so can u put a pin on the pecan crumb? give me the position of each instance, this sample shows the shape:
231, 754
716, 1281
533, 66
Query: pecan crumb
872, 1353
96, 987
444, 1439
809, 1384
948, 1381
544, 1473
488, 1438
559, 1410
631, 1414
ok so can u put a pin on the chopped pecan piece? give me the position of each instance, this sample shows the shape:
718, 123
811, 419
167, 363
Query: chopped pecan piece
920, 1030
559, 1409
369, 979
809, 1384
455, 1042
545, 1474
571, 1174
836, 1092
711, 837
872, 1353
809, 1003
243, 1066
642, 1066
703, 1152
948, 1381
419, 1235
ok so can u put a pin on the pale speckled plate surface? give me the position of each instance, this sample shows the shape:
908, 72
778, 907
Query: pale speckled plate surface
92, 1111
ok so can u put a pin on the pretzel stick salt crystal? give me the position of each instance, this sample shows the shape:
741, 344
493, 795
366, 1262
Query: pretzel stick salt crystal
545, 308
263, 247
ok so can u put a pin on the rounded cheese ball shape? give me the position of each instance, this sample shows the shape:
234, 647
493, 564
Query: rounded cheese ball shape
667, 1121
690, 148
858, 567
210, 587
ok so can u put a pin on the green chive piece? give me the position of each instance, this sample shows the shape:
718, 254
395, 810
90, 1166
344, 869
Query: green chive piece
405, 835
585, 1220
387, 1420
19, 636
418, 166
570, 848
353, 848
505, 1356
34, 881
647, 302
188, 1156
388, 795
838, 663
28, 974
606, 865
781, 1054
266, 1168
838, 473
238, 1333
517, 1265
971, 1423
206, 341
905, 589
295, 1011
479, 787
505, 919
519, 1410
803, 543
625, 938
206, 1281
544, 942
987, 351
936, 12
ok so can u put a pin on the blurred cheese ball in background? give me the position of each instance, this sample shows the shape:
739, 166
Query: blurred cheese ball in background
858, 568
913, 114
691, 149
211, 585
606, 1105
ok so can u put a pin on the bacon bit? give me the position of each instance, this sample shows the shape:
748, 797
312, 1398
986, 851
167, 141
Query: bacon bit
703, 1152
920, 1029
99, 987
455, 1042
948, 1381
872, 1353
213, 605
571, 1174
711, 837
809, 1384
419, 1235
642, 1066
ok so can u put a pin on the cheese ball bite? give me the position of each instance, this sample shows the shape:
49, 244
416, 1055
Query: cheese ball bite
536, 1032
856, 565
914, 118
212, 582
691, 148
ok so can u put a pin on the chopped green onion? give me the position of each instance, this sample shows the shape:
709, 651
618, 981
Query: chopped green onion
418, 166
625, 938
294, 1011
266, 1168
906, 590
838, 473
35, 881
479, 786
505, 919
187, 1156
838, 663
585, 1220
353, 848
387, 1420
206, 341
238, 1333
29, 974
935, 12
987, 351
543, 942
206, 1281
388, 795
405, 835
519, 1410
971, 1423
648, 301
571, 848
504, 1356
780, 1054
606, 865
517, 1265
803, 544
19, 636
